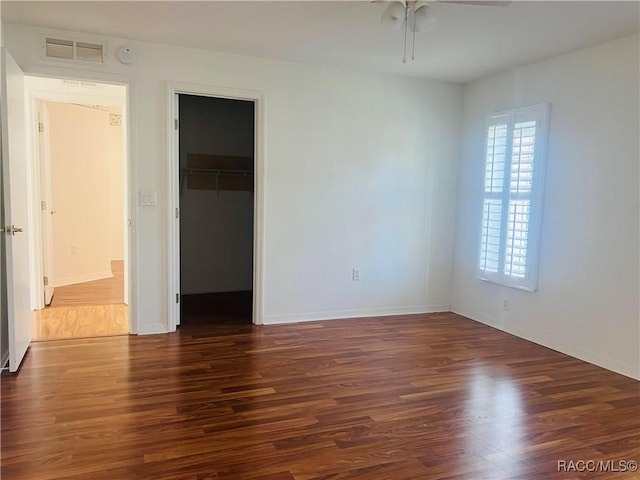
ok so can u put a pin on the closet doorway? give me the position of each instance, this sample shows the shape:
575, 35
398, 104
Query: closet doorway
216, 147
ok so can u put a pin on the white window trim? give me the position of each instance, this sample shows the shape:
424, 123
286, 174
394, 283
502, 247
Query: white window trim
539, 112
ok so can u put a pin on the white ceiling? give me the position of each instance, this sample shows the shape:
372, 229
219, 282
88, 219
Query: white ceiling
468, 42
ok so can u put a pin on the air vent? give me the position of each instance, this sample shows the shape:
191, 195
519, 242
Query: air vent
59, 48
89, 52
73, 50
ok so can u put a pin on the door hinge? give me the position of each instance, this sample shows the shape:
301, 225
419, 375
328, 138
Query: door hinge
177, 298
177, 213
175, 124
40, 127
43, 205
46, 281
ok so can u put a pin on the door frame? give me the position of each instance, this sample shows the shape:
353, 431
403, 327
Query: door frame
43, 158
33, 96
174, 89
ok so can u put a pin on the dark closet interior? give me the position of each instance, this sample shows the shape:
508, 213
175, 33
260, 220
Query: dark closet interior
216, 141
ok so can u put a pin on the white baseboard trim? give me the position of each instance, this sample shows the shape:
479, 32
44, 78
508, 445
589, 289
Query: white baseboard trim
554, 344
151, 329
88, 277
355, 313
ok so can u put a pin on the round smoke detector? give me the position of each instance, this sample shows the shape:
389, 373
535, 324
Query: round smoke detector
126, 55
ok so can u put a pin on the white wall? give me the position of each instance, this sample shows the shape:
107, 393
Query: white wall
78, 146
587, 302
216, 227
116, 183
360, 170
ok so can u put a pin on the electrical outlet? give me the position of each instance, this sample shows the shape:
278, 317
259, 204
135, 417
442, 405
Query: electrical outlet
505, 304
74, 249
355, 274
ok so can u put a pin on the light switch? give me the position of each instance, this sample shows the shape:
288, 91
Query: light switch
149, 199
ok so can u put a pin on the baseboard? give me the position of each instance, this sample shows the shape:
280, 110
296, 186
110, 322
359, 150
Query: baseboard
88, 277
355, 313
151, 329
554, 344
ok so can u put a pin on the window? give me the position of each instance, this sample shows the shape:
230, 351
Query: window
512, 199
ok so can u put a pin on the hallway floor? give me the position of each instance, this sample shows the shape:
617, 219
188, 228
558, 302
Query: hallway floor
98, 292
89, 309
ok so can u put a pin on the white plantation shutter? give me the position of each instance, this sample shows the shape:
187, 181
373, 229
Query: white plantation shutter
490, 250
512, 203
495, 158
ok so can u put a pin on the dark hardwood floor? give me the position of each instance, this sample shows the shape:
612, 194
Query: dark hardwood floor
409, 397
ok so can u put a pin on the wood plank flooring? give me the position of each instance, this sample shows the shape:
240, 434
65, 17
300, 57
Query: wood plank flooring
98, 292
410, 397
55, 323
89, 309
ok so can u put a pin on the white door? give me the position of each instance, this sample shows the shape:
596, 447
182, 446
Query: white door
14, 173
46, 209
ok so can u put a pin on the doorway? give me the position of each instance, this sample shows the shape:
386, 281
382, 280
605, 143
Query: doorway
216, 148
80, 147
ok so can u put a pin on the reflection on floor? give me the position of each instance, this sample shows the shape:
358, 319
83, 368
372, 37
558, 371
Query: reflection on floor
217, 308
89, 309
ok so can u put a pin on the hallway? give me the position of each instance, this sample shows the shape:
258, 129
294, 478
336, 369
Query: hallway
89, 309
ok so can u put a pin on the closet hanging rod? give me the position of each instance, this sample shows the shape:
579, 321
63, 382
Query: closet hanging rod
216, 171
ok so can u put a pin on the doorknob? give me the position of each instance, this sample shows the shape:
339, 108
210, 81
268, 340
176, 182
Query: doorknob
11, 230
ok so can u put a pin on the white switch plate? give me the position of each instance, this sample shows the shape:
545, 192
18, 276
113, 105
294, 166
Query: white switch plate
149, 199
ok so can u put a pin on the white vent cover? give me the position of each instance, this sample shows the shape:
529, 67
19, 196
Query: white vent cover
73, 50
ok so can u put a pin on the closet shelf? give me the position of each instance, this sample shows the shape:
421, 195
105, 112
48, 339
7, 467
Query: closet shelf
217, 172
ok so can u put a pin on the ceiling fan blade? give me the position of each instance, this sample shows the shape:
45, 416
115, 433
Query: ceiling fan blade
481, 3
394, 15
421, 18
